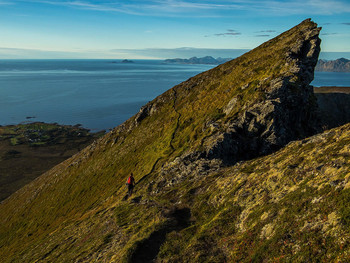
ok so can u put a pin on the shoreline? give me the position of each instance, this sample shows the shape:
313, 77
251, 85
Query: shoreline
29, 120
29, 150
332, 89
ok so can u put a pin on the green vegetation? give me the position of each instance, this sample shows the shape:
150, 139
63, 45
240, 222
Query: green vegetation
29, 150
290, 206
41, 134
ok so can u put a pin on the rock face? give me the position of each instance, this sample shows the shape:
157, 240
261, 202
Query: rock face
338, 65
264, 99
287, 113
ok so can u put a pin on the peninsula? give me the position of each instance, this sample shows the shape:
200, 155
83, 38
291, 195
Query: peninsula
29, 150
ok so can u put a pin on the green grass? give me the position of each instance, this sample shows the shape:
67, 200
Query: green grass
77, 212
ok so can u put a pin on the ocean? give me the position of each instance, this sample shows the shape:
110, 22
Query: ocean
98, 94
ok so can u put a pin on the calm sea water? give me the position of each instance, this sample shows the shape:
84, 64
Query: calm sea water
99, 94
341, 79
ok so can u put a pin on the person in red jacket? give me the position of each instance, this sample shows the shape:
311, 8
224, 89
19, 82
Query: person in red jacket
130, 183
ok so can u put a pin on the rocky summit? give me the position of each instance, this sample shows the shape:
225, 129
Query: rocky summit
225, 167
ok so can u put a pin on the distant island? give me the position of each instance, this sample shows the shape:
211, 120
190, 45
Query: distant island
127, 61
123, 61
194, 60
338, 65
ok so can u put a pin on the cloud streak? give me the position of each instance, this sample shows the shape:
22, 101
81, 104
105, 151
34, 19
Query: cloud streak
146, 53
230, 32
266, 31
184, 52
85, 5
143, 53
329, 34
5, 3
206, 8
262, 33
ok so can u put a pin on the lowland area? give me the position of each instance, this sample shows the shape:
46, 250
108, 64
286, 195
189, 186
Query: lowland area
29, 150
334, 89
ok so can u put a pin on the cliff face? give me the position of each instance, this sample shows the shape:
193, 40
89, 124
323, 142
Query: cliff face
282, 107
195, 201
338, 65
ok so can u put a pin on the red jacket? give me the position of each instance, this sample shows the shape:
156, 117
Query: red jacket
131, 180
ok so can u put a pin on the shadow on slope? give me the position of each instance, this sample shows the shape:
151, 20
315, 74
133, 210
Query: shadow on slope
148, 249
334, 109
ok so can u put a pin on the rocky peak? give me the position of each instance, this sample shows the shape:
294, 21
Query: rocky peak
271, 107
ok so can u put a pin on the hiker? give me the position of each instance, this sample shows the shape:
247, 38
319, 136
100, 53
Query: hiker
130, 183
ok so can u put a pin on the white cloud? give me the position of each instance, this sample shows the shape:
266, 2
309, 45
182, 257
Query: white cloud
186, 5
303, 7
26, 53
206, 8
6, 3
229, 32
104, 7
183, 52
330, 7
147, 53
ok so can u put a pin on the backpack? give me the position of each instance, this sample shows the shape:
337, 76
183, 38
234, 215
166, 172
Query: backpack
130, 180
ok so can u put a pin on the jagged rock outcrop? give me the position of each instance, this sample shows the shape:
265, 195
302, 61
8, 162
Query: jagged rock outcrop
287, 112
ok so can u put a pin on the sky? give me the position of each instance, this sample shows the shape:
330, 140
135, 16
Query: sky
135, 29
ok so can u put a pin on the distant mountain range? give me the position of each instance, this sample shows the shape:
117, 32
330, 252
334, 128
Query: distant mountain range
194, 60
338, 65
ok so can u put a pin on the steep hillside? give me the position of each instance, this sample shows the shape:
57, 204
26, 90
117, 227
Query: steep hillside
195, 201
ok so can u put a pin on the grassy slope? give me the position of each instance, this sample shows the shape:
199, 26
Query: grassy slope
75, 211
291, 206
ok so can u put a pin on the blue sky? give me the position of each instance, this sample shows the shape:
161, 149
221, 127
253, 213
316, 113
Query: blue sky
160, 29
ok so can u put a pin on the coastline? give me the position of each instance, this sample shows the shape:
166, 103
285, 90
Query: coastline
30, 149
332, 89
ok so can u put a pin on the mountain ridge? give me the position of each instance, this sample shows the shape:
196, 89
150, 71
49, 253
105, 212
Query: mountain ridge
338, 65
195, 199
202, 60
